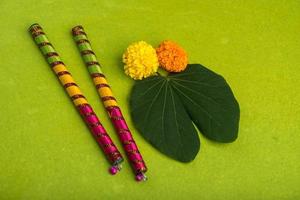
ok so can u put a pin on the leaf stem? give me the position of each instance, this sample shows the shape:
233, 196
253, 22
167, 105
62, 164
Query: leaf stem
162, 72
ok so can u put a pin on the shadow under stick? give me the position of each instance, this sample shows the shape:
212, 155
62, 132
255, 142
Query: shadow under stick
110, 102
77, 97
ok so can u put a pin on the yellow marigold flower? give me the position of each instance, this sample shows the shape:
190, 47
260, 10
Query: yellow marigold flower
171, 56
140, 60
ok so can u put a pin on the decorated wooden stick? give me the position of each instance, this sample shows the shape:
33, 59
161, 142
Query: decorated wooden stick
77, 97
110, 103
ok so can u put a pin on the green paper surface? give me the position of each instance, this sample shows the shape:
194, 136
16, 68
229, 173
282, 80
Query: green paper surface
46, 152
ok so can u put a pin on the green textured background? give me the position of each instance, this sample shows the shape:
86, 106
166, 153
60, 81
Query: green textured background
46, 152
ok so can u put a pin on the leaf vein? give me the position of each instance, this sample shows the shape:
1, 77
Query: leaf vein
207, 113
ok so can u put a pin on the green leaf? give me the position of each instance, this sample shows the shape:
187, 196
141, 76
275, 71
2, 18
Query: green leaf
209, 101
159, 115
164, 109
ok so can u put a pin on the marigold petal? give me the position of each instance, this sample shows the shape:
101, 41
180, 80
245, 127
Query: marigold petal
171, 56
140, 60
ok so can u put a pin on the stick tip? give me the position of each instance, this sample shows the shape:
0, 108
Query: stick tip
115, 169
34, 27
76, 29
140, 177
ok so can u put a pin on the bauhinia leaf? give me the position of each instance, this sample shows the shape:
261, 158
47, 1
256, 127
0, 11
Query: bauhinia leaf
164, 109
160, 116
209, 101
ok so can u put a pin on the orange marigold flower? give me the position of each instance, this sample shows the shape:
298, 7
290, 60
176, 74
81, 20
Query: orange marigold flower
171, 56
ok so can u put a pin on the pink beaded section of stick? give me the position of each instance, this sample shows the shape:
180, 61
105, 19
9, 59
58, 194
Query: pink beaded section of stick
110, 103
77, 97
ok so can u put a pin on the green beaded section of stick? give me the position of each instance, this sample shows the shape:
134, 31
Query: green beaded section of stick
45, 46
87, 53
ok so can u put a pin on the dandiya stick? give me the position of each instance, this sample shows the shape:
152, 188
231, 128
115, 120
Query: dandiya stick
77, 97
110, 102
